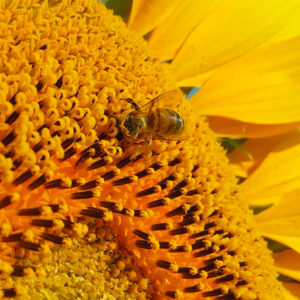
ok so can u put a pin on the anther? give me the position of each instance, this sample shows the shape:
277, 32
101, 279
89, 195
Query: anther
175, 194
180, 185
188, 221
37, 147
147, 192
228, 296
39, 86
225, 278
90, 185
171, 294
15, 237
198, 244
109, 205
124, 180
13, 99
29, 211
17, 163
192, 289
5, 201
23, 177
164, 264
164, 245
66, 143
93, 212
13, 117
209, 225
143, 244
160, 226
163, 183
59, 82
204, 252
18, 271
9, 138
109, 175
97, 164
241, 282
29, 245
57, 183
52, 238
192, 192
143, 173
213, 293
179, 249
141, 234
174, 162
178, 231
39, 181
9, 293
123, 162
69, 153
42, 223
159, 202
83, 195
177, 211
195, 168
216, 273
83, 157
199, 234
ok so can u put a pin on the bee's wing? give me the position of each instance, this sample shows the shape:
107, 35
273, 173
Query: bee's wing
170, 139
168, 99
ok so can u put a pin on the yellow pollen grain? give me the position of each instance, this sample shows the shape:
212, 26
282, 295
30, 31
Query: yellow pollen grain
5, 267
6, 229
28, 235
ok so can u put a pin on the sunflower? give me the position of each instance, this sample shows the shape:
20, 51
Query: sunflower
89, 211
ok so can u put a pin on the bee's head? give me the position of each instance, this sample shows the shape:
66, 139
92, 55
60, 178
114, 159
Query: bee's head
133, 126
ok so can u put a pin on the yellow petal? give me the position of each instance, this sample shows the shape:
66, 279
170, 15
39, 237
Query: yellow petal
286, 210
292, 242
262, 87
168, 37
281, 222
292, 290
278, 174
288, 263
234, 128
146, 15
232, 29
259, 149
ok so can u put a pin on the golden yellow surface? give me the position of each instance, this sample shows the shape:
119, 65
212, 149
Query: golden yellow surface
65, 70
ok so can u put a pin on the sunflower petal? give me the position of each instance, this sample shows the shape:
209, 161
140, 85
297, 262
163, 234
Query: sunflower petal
292, 242
174, 30
292, 291
255, 89
232, 29
277, 175
288, 263
284, 210
259, 149
281, 222
233, 128
146, 15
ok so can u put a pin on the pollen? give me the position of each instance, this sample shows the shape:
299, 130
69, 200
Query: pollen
156, 219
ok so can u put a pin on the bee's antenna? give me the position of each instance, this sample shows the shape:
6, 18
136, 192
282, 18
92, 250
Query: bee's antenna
134, 104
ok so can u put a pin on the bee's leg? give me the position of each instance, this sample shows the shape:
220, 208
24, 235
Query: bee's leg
148, 140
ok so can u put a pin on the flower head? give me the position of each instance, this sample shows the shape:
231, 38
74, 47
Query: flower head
66, 70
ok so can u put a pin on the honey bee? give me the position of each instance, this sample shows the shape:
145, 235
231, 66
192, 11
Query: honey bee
149, 122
